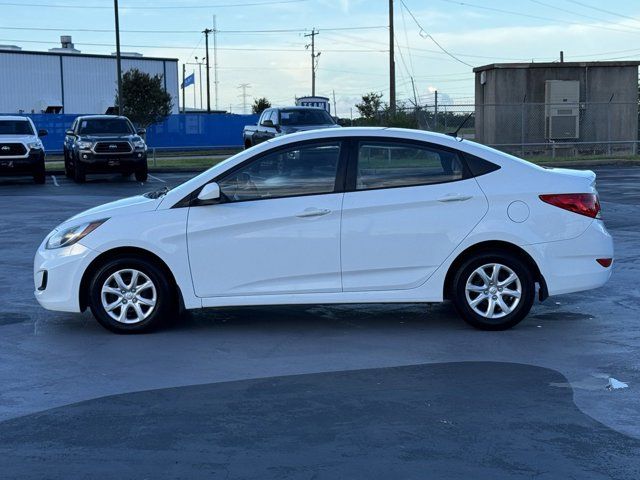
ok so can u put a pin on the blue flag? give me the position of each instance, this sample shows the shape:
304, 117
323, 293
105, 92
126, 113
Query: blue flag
190, 80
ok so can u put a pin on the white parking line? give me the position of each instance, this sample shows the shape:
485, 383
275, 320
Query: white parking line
55, 180
156, 178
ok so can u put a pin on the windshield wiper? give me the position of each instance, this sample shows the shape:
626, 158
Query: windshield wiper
161, 192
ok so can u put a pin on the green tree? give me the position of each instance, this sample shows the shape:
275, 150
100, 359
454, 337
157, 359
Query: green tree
145, 101
260, 105
371, 105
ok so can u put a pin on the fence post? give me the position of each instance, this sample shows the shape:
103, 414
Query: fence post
522, 130
154, 156
609, 125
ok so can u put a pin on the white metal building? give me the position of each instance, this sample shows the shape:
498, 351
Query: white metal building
64, 80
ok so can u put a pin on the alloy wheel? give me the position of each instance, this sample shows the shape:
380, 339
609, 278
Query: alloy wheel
493, 290
128, 296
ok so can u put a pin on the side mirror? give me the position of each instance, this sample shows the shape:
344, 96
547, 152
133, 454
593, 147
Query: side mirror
142, 131
210, 192
70, 133
42, 133
267, 123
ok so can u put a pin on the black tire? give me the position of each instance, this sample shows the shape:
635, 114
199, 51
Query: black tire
164, 310
489, 290
142, 173
79, 174
39, 174
68, 171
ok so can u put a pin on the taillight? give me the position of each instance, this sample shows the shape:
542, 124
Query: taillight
581, 203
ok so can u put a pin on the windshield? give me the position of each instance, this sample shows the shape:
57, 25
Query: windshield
311, 116
15, 127
105, 126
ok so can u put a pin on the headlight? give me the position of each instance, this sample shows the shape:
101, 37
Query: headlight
69, 236
84, 145
139, 143
37, 145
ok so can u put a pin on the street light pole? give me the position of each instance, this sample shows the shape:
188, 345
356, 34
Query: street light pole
118, 62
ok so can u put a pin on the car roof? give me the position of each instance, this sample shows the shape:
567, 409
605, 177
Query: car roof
13, 117
84, 117
298, 107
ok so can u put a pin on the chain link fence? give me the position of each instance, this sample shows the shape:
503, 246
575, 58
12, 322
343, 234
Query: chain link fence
531, 130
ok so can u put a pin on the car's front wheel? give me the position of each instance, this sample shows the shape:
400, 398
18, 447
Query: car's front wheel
131, 295
142, 172
493, 290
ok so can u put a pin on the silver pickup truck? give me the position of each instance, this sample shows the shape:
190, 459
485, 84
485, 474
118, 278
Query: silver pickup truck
280, 121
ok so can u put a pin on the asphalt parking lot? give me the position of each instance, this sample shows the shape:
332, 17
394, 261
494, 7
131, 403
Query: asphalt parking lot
376, 391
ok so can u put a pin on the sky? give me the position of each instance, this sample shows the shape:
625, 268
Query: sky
438, 42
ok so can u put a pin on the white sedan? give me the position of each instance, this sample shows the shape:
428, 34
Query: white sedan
355, 215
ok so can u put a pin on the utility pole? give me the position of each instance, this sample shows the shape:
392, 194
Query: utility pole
215, 60
392, 63
435, 110
206, 32
244, 96
184, 105
561, 56
118, 60
335, 108
313, 59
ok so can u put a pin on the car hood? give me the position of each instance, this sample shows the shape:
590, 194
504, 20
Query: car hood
17, 138
304, 128
124, 206
109, 138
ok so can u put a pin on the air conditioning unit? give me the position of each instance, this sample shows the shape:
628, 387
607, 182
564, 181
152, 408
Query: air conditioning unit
562, 109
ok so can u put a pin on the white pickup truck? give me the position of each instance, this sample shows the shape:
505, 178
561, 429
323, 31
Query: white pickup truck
21, 151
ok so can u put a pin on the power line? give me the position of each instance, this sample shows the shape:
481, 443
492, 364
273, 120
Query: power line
536, 17
107, 30
190, 47
153, 7
603, 10
424, 34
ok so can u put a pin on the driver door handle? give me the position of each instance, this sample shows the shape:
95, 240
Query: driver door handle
454, 197
313, 212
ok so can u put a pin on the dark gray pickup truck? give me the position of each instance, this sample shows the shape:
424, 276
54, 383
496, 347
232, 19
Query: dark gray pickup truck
280, 121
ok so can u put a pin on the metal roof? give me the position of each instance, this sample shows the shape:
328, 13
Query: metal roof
81, 55
498, 66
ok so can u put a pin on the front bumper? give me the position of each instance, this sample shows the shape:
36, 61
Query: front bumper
570, 265
95, 162
57, 275
22, 165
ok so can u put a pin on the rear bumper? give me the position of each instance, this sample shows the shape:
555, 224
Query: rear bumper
22, 165
570, 265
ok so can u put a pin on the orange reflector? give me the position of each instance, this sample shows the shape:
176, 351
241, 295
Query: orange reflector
605, 262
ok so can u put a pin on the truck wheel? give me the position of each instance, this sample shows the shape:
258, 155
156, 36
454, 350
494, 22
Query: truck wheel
142, 173
39, 174
79, 174
68, 171
247, 144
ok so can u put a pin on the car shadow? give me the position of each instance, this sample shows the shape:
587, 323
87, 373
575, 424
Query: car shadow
480, 420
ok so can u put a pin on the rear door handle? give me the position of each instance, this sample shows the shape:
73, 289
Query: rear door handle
454, 197
313, 212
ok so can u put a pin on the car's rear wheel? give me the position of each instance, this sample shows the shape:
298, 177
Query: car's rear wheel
131, 295
142, 172
493, 290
